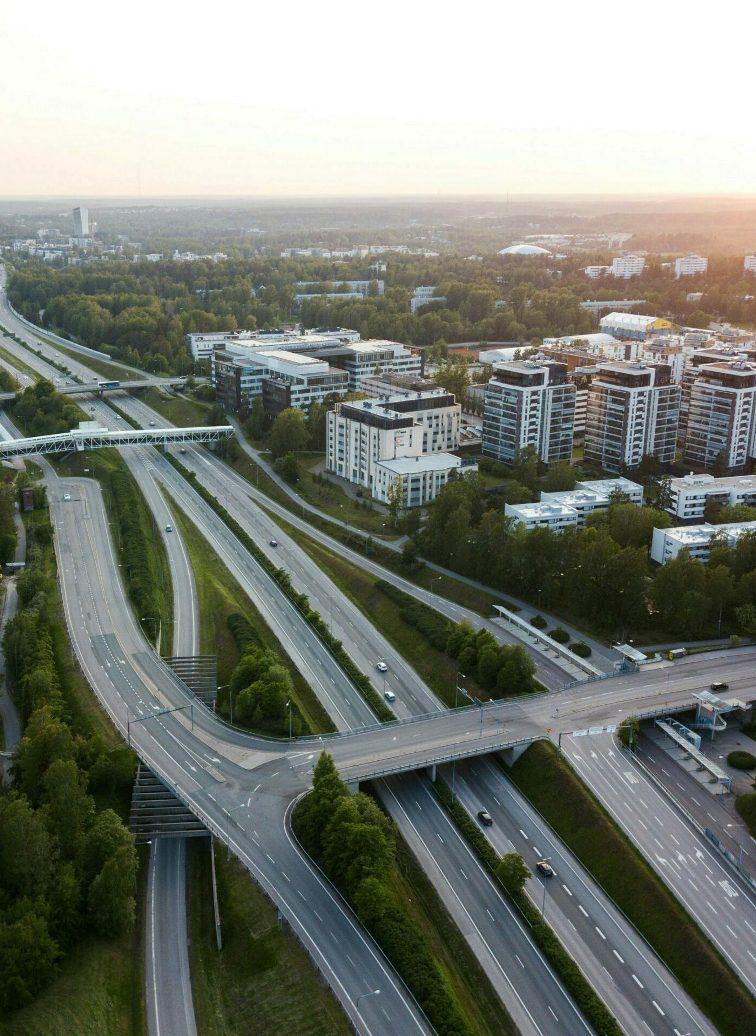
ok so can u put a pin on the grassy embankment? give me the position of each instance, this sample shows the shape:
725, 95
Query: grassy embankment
18, 364
219, 596
177, 408
99, 987
263, 981
590, 833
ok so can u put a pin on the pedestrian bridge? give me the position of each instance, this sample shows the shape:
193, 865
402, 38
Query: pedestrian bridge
95, 438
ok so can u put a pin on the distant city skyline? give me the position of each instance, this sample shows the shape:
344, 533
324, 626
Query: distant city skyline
280, 103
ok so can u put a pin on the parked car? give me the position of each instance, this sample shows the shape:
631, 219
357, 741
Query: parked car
545, 868
485, 818
381, 667
66, 496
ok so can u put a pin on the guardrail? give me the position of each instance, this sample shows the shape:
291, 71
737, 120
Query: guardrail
85, 350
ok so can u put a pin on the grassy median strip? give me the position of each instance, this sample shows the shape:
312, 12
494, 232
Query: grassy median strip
219, 596
178, 409
263, 980
589, 832
300, 601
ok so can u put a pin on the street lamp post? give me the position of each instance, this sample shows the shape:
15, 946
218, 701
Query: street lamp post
454, 761
288, 706
362, 996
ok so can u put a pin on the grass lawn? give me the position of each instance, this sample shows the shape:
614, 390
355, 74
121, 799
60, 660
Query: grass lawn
436, 668
99, 989
263, 981
219, 595
466, 981
331, 498
178, 409
584, 826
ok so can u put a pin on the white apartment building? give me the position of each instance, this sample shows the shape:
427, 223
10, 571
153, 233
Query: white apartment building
749, 264
596, 495
419, 479
696, 539
690, 494
633, 411
423, 296
529, 403
595, 272
283, 379
627, 266
369, 434
547, 514
690, 265
721, 418
325, 289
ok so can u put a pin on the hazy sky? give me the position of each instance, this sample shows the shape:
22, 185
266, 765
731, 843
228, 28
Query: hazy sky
391, 97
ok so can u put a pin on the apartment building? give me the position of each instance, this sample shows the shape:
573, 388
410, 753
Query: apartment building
543, 515
424, 296
363, 360
282, 379
749, 264
366, 438
529, 403
698, 540
632, 411
721, 418
627, 266
596, 495
691, 493
690, 265
700, 357
595, 272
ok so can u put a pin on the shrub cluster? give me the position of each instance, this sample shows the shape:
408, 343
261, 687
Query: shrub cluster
741, 760
433, 626
559, 635
354, 842
500, 669
579, 648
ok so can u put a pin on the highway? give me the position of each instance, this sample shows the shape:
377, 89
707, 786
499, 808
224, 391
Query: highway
704, 884
325, 612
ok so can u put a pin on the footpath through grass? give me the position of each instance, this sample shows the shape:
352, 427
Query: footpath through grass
589, 832
219, 596
263, 980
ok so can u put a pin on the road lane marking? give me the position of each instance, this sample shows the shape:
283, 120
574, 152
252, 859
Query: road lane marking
658, 1008
519, 962
618, 957
600, 932
554, 1016
566, 890
582, 910
637, 980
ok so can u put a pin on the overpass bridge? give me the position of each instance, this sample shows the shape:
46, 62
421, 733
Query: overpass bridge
88, 388
95, 438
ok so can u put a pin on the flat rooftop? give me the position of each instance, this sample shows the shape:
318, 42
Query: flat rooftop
542, 509
711, 483
700, 535
429, 462
611, 485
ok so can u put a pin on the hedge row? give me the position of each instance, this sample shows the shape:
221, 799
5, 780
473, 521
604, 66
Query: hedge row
433, 626
300, 601
596, 1013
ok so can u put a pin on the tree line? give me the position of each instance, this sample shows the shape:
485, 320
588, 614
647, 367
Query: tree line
355, 844
67, 862
601, 573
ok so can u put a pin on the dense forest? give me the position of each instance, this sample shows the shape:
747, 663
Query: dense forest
67, 862
141, 312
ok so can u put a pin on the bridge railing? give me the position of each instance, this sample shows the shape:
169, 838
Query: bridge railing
472, 748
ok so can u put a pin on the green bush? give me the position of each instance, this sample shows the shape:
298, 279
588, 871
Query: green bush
539, 622
740, 760
559, 635
581, 649
433, 626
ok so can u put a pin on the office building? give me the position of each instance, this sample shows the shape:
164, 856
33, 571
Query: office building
529, 403
362, 360
202, 344
690, 265
721, 419
633, 411
633, 325
81, 222
698, 540
307, 290
595, 272
749, 264
366, 439
691, 493
282, 379
627, 266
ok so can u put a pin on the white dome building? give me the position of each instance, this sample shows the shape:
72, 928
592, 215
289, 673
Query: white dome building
524, 250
